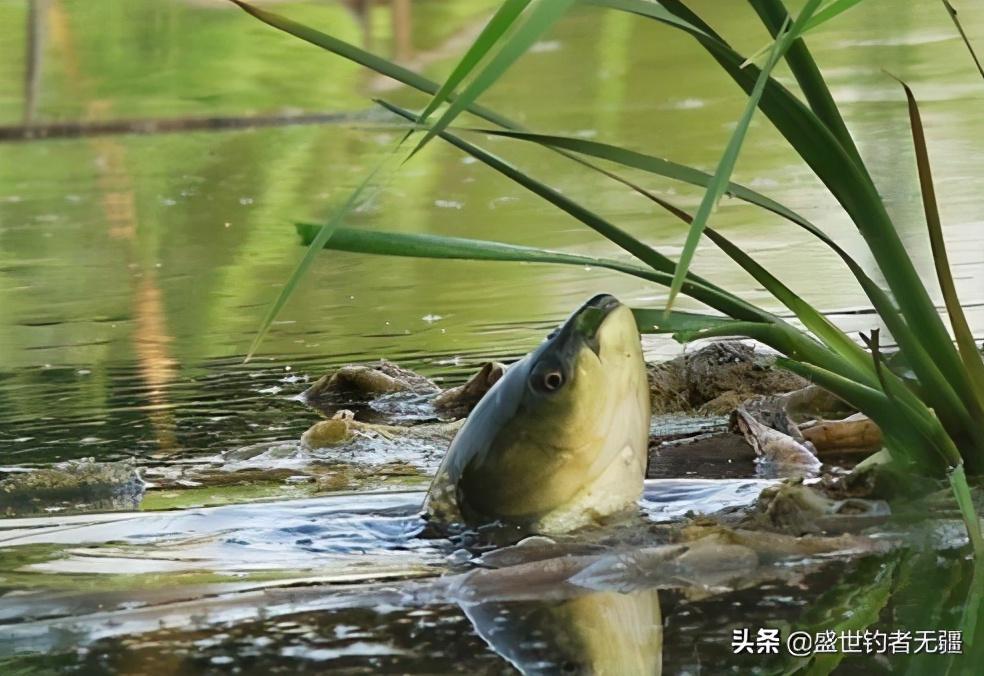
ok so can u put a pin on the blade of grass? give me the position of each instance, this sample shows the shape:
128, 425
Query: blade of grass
410, 245
361, 57
657, 321
414, 245
963, 36
647, 163
541, 18
828, 12
773, 13
961, 491
973, 607
915, 408
722, 175
812, 319
823, 15
680, 17
795, 121
694, 328
500, 22
894, 416
958, 320
783, 338
317, 243
823, 152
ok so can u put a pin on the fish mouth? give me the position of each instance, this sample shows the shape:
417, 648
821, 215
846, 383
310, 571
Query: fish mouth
587, 320
582, 329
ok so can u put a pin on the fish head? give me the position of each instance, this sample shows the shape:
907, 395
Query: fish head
570, 416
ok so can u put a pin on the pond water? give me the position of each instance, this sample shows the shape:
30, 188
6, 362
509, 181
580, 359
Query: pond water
135, 270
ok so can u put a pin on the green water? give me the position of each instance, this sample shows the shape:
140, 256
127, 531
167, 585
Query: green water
135, 269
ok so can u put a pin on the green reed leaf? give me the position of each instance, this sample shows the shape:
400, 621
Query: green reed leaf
316, 244
958, 320
963, 35
726, 166
824, 14
540, 19
497, 26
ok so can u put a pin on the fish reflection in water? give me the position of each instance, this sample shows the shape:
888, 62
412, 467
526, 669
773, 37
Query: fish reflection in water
605, 632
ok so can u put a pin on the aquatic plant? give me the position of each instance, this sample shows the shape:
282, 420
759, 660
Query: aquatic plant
928, 399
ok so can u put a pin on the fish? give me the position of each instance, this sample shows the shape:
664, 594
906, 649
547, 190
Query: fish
560, 441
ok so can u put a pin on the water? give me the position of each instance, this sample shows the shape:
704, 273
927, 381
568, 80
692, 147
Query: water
135, 269
340, 564
348, 583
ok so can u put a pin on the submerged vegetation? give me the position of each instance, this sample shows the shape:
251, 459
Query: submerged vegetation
927, 398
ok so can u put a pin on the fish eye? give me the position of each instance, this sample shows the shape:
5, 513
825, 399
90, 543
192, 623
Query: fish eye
551, 381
